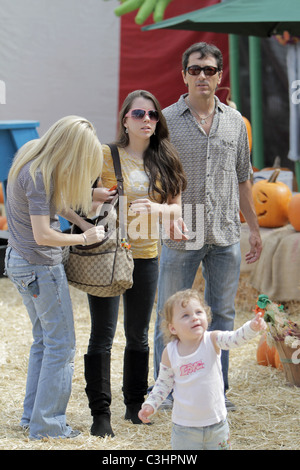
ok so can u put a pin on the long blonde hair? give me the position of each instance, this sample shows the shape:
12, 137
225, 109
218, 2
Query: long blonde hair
69, 156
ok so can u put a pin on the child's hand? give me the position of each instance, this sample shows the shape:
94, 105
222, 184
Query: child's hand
258, 323
144, 412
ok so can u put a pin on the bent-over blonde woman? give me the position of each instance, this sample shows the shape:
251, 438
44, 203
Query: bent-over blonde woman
43, 181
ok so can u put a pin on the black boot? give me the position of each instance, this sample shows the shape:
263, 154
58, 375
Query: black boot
135, 382
97, 376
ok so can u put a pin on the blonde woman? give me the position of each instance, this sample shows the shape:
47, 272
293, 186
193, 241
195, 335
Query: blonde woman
43, 181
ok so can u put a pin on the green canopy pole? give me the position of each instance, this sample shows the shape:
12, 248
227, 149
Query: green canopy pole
234, 69
297, 174
256, 102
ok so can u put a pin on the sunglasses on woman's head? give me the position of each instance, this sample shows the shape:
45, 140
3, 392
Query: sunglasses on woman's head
208, 70
140, 114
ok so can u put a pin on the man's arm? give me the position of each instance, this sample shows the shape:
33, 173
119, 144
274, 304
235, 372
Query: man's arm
248, 210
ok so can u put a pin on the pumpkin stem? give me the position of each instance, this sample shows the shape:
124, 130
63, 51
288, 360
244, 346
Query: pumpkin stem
274, 176
277, 162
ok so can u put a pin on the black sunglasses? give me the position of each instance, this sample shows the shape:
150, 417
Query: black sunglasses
208, 70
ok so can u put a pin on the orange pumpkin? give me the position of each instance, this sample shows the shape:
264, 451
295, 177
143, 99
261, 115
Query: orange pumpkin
271, 200
294, 212
242, 218
249, 131
1, 194
3, 222
265, 355
277, 361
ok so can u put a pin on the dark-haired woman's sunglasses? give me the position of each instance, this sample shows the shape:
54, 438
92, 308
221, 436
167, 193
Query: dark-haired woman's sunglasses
208, 70
140, 114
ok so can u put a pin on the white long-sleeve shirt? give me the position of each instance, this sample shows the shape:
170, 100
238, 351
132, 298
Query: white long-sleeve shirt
197, 380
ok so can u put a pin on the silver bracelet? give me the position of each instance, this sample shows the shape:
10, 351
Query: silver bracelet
85, 239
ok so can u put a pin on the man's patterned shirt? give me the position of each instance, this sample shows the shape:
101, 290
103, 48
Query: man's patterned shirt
214, 164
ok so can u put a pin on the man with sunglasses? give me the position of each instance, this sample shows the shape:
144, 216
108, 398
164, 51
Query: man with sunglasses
212, 142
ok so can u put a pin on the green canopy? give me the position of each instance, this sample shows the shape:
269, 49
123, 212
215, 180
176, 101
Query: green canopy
253, 18
260, 18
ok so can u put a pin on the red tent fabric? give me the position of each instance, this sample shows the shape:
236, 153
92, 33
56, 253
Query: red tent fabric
151, 60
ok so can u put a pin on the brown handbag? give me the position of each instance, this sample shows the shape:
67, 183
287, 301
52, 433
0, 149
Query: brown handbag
104, 269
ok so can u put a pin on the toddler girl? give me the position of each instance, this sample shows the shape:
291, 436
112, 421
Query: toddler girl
191, 367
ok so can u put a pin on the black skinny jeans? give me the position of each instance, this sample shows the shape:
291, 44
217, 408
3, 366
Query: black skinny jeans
138, 303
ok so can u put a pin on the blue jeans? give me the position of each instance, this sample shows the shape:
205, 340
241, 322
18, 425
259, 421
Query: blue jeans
214, 437
221, 271
45, 293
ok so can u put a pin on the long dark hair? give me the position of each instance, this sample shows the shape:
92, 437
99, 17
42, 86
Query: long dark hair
161, 161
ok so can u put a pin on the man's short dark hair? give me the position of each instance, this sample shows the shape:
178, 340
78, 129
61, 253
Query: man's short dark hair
204, 50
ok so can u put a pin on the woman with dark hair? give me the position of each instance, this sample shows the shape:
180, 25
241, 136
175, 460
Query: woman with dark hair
153, 182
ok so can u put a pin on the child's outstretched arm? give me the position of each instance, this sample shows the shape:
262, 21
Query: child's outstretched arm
163, 386
233, 339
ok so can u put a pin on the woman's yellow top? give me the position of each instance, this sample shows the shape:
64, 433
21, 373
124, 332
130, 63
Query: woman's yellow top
142, 229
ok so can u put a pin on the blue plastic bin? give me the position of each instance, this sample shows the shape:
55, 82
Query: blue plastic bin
14, 134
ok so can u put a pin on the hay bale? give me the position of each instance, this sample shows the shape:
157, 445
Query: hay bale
267, 415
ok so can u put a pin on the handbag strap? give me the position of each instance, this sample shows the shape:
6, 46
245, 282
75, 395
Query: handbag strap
120, 185
117, 166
